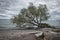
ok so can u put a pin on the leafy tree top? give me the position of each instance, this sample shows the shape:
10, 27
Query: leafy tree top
32, 15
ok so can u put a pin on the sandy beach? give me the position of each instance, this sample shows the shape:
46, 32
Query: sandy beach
29, 34
17, 34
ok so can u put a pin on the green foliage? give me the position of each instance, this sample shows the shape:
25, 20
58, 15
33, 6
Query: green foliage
56, 30
44, 25
32, 15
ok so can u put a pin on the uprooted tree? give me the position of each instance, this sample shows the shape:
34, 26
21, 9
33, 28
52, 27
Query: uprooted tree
31, 15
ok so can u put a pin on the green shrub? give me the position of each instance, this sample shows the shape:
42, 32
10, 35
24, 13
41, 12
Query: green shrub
56, 30
44, 25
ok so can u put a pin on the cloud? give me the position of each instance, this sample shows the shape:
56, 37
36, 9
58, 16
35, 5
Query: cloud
8, 8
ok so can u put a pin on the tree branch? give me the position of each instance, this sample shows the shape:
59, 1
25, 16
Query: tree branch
32, 19
33, 23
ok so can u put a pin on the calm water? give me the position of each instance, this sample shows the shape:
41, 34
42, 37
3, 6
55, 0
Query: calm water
7, 23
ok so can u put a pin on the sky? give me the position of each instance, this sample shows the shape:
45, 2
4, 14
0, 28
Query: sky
8, 8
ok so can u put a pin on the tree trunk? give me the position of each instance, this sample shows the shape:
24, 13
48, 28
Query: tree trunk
39, 25
40, 21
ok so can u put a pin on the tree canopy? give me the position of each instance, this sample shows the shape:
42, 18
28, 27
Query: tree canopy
32, 15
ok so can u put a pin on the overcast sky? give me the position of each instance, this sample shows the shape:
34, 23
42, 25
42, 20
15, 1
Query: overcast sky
8, 8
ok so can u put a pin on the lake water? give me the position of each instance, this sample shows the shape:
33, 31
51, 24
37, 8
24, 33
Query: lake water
7, 23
